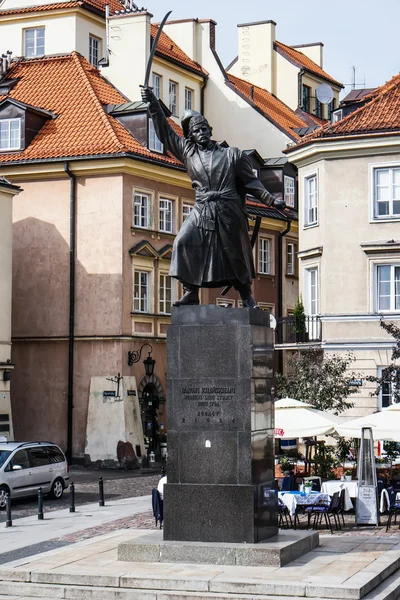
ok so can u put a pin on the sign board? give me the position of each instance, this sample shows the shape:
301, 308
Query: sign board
367, 506
279, 432
109, 394
131, 392
356, 382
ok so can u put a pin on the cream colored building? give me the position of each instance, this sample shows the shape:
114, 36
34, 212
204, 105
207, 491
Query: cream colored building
291, 73
349, 242
7, 193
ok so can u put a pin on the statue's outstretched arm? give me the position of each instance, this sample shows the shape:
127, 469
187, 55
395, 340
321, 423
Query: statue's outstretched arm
254, 186
171, 140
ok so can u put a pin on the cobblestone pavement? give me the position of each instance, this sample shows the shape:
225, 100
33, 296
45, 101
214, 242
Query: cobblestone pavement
117, 484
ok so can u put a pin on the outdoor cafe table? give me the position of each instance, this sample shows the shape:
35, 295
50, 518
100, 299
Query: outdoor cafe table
350, 487
294, 499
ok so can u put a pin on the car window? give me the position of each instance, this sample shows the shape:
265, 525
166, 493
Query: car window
55, 454
20, 458
39, 457
4, 454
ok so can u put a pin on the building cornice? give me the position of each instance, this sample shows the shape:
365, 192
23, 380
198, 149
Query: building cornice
381, 247
105, 166
344, 147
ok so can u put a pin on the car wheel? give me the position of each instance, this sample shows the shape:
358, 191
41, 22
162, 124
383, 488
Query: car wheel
57, 489
4, 491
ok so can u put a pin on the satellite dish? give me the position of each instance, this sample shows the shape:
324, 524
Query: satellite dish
324, 93
272, 321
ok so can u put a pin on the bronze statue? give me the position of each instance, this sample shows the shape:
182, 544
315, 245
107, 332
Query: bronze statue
212, 248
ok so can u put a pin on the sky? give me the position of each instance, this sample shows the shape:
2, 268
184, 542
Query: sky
363, 33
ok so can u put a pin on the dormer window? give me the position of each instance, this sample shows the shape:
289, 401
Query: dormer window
154, 142
10, 134
34, 41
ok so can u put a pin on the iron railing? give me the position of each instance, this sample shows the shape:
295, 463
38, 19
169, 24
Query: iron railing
288, 331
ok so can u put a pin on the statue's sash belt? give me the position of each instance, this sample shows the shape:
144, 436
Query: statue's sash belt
207, 204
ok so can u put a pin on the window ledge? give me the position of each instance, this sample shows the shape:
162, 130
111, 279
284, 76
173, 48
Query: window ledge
265, 275
310, 226
291, 276
135, 229
385, 219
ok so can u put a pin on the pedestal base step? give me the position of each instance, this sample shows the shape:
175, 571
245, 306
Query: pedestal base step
277, 551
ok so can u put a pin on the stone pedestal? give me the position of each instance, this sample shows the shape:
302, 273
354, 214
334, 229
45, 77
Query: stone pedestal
220, 426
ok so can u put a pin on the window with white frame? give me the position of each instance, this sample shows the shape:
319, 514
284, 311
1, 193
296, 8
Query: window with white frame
386, 397
141, 210
186, 210
225, 302
141, 285
165, 215
34, 41
388, 288
386, 193
10, 134
291, 258
311, 291
173, 97
310, 200
165, 294
188, 99
156, 85
154, 142
289, 190
264, 256
94, 50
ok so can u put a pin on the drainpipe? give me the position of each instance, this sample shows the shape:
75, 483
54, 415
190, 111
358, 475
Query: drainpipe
281, 235
71, 325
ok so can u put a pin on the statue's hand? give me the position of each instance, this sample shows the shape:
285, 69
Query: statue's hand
147, 94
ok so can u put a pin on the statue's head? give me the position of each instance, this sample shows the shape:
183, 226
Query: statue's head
196, 127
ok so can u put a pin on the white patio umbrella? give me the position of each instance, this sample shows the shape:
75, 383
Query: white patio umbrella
385, 425
295, 419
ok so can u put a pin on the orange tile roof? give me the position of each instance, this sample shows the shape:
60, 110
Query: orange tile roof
380, 114
97, 4
275, 110
74, 90
167, 48
304, 62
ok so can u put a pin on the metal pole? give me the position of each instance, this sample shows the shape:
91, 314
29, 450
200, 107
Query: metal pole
72, 497
101, 492
8, 509
40, 504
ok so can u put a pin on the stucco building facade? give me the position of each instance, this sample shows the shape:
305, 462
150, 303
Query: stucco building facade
7, 193
349, 244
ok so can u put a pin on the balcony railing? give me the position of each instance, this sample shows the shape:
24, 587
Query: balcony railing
290, 332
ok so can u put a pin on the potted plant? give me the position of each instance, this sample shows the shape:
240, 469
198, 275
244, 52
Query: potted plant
348, 475
299, 321
308, 487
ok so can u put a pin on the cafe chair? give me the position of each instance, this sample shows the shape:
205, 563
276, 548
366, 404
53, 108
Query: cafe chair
394, 508
326, 511
284, 516
316, 483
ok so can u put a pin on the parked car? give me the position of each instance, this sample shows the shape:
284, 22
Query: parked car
27, 466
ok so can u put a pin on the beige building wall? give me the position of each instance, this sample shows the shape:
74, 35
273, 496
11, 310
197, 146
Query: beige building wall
7, 194
65, 31
347, 245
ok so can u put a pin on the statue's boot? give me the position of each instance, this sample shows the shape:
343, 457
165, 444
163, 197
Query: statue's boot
244, 290
190, 296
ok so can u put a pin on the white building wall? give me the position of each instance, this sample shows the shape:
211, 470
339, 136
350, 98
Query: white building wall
232, 118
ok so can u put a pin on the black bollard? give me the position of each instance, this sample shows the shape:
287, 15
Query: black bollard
40, 504
8, 509
101, 492
72, 497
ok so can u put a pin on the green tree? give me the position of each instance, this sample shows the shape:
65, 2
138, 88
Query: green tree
299, 316
391, 374
323, 381
392, 450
